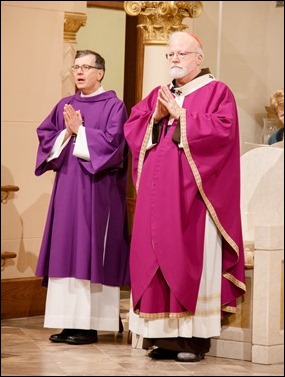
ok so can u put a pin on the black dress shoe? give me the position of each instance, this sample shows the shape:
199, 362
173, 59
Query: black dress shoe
190, 357
83, 337
162, 354
62, 337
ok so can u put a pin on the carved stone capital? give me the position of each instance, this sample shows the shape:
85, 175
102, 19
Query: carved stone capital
72, 23
161, 18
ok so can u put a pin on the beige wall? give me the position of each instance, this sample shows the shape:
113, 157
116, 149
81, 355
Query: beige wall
246, 39
243, 43
32, 60
244, 46
105, 33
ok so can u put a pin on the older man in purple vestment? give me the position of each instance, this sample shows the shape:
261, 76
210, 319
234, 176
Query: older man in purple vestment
187, 257
85, 252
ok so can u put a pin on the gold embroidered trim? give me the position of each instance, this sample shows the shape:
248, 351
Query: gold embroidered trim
234, 280
152, 316
198, 313
208, 204
229, 309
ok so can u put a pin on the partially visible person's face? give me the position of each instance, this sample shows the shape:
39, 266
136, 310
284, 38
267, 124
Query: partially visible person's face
185, 60
87, 81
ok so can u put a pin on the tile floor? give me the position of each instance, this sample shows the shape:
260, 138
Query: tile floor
27, 351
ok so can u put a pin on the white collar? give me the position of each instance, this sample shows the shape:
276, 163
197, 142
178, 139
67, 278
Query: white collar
98, 91
193, 85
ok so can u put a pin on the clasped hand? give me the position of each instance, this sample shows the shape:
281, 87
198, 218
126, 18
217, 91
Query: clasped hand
166, 105
72, 118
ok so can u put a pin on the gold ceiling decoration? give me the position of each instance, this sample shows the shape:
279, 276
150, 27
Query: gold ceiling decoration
161, 18
72, 23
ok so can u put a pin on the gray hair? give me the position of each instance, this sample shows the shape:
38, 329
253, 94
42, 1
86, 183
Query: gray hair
99, 60
194, 40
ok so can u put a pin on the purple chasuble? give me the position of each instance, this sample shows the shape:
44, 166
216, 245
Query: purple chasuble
86, 232
176, 188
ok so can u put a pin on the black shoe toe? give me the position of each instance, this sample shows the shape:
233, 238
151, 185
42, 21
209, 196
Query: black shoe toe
83, 337
62, 337
162, 354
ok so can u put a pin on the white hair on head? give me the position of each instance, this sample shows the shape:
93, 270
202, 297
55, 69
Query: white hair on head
195, 40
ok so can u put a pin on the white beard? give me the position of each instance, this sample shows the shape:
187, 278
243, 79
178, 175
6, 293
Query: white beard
177, 72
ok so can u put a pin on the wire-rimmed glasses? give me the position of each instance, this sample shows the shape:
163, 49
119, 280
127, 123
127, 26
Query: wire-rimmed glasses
84, 68
180, 55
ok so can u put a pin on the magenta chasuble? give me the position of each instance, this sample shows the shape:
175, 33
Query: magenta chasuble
176, 185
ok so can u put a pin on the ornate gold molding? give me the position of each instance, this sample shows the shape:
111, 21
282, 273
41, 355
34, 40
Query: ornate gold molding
162, 17
72, 23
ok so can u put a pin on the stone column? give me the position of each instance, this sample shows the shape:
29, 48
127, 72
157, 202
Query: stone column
160, 19
72, 23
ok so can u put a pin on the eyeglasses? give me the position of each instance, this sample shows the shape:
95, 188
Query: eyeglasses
180, 55
84, 68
